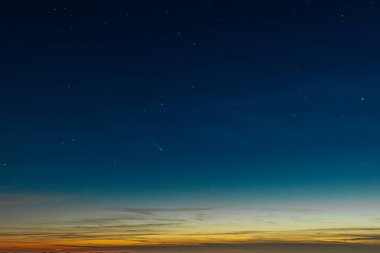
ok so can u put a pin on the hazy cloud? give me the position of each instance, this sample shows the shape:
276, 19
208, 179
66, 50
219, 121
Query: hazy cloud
152, 211
7, 199
273, 247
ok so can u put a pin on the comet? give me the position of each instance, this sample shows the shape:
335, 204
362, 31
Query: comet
158, 146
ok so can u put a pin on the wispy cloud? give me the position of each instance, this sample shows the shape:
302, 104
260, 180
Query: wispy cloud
181, 228
152, 211
8, 199
3, 187
273, 247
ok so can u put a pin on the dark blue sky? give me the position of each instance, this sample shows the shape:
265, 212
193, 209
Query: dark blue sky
286, 90
130, 98
190, 126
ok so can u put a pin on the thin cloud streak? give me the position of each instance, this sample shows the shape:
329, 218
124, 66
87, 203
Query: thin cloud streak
10, 199
152, 211
273, 247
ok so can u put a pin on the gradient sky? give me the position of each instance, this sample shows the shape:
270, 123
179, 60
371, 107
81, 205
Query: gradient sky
190, 126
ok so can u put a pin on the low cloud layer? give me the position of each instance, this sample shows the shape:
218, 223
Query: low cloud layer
196, 229
10, 199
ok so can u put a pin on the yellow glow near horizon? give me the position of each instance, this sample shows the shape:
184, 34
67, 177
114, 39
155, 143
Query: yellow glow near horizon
107, 228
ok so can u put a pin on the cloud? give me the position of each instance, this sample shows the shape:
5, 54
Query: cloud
3, 187
273, 247
184, 229
123, 218
345, 229
153, 211
146, 236
9, 199
132, 226
367, 237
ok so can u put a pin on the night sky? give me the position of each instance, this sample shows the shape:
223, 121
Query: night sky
190, 126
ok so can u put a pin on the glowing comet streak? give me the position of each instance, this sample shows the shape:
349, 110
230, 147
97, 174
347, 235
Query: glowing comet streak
157, 145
